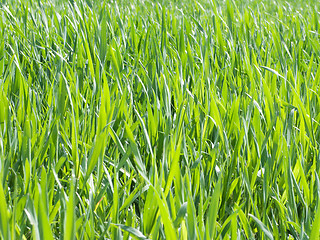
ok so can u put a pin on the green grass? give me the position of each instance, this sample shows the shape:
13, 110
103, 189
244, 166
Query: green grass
159, 120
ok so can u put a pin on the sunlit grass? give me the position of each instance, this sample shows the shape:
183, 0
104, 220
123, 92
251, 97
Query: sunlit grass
159, 120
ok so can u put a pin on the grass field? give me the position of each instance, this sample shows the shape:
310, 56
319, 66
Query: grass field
159, 120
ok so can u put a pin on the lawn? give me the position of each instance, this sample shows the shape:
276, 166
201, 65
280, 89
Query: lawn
159, 119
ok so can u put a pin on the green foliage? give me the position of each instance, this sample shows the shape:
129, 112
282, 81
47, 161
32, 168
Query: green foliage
159, 119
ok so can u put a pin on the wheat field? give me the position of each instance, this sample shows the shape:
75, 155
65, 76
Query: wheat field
159, 119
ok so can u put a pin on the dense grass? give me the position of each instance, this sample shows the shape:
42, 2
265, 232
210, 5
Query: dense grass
182, 119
